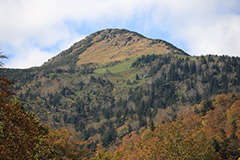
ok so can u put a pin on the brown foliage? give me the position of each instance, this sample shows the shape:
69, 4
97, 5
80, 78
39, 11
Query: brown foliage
169, 141
20, 132
65, 145
23, 137
213, 136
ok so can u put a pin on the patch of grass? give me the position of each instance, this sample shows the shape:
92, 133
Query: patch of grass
181, 56
124, 66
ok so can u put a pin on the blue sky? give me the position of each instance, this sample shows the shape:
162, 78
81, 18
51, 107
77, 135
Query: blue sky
32, 31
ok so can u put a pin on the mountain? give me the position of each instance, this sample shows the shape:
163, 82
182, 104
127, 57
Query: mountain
117, 81
111, 45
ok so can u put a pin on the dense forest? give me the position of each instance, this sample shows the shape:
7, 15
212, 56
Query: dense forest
93, 104
193, 135
209, 130
145, 106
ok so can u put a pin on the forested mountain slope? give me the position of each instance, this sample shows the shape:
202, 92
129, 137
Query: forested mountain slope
209, 130
116, 81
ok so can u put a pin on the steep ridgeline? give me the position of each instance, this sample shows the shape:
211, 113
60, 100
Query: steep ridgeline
111, 45
115, 81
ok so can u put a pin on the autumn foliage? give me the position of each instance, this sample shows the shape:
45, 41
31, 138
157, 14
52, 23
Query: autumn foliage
20, 132
209, 130
169, 141
23, 137
193, 136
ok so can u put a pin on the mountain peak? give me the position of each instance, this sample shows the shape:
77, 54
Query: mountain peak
113, 33
112, 45
113, 36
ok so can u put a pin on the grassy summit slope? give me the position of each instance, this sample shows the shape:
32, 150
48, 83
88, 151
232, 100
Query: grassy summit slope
111, 45
117, 45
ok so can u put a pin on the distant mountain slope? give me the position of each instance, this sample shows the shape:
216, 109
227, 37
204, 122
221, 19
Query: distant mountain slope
209, 130
101, 98
112, 45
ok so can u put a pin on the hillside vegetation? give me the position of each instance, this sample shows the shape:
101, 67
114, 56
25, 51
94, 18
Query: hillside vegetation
192, 136
114, 83
209, 130
23, 137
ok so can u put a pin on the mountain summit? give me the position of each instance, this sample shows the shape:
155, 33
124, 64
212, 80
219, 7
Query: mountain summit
112, 45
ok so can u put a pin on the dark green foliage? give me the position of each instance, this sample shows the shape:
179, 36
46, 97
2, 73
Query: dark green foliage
106, 113
142, 122
210, 58
151, 125
129, 128
78, 97
137, 77
192, 67
207, 105
203, 60
109, 135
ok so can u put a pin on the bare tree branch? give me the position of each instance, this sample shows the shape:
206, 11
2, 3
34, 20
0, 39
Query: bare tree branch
2, 56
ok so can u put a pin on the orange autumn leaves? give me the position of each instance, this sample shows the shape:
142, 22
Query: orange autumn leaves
213, 136
170, 141
23, 137
65, 145
19, 131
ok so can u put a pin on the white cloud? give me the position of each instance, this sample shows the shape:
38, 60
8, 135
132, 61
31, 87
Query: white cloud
207, 27
221, 37
29, 57
29, 26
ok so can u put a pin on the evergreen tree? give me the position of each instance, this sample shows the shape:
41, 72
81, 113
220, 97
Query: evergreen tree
137, 77
151, 125
129, 128
109, 136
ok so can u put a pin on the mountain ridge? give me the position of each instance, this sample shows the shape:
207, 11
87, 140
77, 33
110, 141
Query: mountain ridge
112, 45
